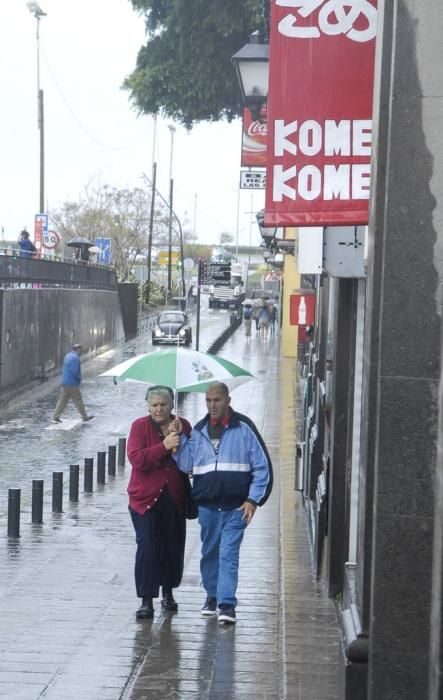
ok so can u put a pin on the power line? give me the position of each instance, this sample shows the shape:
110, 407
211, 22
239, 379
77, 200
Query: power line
79, 123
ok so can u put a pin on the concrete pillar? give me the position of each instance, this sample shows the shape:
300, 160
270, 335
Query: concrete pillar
289, 334
402, 366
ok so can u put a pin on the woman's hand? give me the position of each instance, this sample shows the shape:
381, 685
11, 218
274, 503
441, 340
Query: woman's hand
175, 426
172, 441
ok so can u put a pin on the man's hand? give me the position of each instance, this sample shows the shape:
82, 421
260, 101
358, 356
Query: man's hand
248, 509
172, 441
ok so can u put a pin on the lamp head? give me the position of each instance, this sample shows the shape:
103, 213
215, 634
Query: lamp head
35, 9
251, 64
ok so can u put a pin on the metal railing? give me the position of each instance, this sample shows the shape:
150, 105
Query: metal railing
16, 270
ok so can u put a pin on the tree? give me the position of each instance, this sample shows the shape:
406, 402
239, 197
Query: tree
121, 215
226, 238
184, 71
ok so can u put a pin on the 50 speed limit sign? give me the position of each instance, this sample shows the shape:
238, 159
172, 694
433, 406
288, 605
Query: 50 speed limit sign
51, 239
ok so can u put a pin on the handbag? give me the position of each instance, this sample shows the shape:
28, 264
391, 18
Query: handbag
191, 508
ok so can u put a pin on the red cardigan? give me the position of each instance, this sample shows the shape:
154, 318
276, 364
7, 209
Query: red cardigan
153, 468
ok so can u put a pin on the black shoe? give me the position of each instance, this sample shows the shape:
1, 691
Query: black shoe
87, 418
227, 614
210, 607
145, 612
57, 420
168, 602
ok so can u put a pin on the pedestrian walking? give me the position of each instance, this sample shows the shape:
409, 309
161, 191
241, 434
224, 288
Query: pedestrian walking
26, 246
264, 319
157, 500
272, 317
247, 320
232, 475
255, 314
70, 385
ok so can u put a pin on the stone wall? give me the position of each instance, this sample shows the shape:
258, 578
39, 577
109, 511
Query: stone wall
38, 327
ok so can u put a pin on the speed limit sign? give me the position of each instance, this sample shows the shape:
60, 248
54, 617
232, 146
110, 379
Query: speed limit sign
51, 239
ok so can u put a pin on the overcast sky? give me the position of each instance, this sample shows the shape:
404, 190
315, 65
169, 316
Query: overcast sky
91, 132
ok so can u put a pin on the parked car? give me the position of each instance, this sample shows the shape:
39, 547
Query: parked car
172, 327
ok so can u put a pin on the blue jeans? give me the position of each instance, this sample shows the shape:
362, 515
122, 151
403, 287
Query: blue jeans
221, 535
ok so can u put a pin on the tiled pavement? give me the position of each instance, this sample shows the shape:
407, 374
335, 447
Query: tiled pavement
67, 627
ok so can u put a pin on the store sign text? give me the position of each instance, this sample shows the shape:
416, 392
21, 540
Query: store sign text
315, 143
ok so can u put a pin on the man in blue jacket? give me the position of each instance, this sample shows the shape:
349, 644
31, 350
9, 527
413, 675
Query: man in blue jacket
232, 475
70, 385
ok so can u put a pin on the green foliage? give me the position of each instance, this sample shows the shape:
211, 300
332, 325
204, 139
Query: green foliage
196, 251
226, 238
184, 71
156, 294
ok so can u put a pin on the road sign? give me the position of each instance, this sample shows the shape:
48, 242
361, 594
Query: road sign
40, 230
163, 257
104, 246
188, 264
252, 179
218, 274
50, 239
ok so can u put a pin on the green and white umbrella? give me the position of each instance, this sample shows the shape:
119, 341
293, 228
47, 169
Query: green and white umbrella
182, 369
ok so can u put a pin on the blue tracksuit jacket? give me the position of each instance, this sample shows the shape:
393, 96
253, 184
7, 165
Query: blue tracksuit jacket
240, 470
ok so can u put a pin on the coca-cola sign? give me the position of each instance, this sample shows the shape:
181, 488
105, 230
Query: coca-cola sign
320, 112
254, 140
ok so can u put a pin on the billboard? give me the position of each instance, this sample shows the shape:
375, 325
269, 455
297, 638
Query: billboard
254, 140
320, 112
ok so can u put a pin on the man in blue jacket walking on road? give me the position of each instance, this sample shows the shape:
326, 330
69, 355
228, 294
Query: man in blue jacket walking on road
232, 475
70, 385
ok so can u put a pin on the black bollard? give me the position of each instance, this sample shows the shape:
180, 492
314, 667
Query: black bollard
111, 459
13, 512
57, 492
37, 501
74, 476
121, 452
101, 467
89, 468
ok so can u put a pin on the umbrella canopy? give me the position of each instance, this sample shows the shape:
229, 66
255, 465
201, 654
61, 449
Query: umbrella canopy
78, 242
183, 370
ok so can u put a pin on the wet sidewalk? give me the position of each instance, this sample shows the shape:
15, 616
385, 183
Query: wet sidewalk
67, 597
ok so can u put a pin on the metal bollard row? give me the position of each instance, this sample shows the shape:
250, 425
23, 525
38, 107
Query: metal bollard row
14, 495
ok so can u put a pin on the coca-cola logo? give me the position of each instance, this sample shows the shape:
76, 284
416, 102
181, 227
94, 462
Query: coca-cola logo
258, 129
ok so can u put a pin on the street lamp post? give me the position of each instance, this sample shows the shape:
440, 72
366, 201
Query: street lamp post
171, 199
35, 9
151, 214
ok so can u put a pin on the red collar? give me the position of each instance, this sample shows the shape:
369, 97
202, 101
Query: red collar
224, 421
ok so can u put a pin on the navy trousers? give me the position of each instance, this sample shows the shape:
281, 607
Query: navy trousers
160, 537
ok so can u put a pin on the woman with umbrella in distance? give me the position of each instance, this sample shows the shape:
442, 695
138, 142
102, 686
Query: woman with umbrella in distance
157, 502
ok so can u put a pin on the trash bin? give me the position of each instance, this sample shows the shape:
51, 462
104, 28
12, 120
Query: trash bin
299, 466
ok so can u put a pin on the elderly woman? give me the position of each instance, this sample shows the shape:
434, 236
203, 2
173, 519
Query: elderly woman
156, 502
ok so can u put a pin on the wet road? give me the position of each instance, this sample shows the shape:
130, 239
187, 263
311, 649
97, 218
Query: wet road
32, 447
67, 597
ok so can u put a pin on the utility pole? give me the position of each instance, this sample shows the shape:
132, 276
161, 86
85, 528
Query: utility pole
35, 9
171, 128
152, 212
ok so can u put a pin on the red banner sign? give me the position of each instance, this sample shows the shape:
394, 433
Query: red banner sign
254, 140
320, 112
